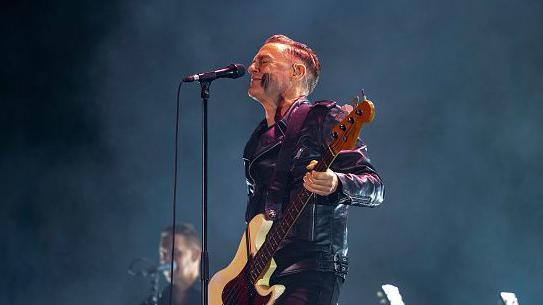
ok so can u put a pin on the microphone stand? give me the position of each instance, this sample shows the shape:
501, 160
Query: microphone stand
154, 288
204, 267
147, 269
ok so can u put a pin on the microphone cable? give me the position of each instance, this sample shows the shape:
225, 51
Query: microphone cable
174, 205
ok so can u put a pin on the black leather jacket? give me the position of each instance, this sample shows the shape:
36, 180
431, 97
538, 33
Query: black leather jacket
320, 234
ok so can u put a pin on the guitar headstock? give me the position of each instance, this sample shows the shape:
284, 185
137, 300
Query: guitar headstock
390, 295
346, 132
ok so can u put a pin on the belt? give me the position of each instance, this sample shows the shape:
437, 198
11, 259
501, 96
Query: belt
337, 263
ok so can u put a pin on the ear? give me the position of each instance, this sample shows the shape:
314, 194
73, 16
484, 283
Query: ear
299, 70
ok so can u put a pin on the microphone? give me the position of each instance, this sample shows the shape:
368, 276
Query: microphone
144, 267
163, 267
230, 71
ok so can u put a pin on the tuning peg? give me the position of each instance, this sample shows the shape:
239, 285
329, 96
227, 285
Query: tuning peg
355, 101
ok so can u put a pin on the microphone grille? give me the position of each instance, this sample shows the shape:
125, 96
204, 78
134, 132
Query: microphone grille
239, 70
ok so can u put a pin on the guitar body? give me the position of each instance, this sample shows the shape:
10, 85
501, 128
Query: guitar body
231, 286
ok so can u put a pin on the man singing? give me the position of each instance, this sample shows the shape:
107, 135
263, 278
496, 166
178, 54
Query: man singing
311, 261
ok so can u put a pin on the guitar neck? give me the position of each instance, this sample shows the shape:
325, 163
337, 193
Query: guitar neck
280, 230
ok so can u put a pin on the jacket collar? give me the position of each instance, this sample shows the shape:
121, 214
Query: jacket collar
282, 123
250, 153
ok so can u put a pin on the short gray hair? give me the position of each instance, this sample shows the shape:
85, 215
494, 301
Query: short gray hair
305, 54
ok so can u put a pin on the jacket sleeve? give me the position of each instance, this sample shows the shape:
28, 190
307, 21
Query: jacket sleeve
359, 182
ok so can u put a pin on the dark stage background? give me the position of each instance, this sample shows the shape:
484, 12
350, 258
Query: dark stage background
87, 125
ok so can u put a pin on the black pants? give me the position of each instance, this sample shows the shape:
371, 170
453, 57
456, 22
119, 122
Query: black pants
311, 287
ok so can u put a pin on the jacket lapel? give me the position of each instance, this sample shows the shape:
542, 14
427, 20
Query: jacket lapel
251, 152
271, 142
250, 147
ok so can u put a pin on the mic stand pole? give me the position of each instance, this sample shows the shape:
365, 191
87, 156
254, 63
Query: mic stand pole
204, 269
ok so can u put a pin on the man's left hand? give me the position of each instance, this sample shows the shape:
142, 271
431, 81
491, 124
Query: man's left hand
320, 183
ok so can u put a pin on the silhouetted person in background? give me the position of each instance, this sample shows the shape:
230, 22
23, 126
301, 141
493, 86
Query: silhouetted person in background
187, 251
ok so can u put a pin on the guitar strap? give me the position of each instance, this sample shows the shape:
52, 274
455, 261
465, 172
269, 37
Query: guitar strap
277, 193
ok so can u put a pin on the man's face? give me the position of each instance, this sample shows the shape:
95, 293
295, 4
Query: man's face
271, 72
186, 257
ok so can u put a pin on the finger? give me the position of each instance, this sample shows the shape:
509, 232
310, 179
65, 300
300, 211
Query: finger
308, 187
313, 190
308, 178
322, 180
325, 189
320, 175
322, 183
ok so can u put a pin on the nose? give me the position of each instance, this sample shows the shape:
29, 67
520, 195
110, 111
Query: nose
252, 68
